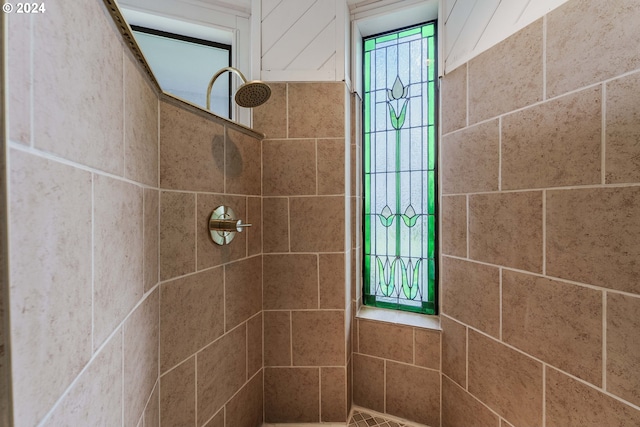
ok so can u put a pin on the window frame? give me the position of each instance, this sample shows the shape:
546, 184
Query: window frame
429, 307
194, 40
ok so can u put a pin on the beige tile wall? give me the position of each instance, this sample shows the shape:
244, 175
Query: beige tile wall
211, 296
305, 254
396, 370
83, 220
539, 276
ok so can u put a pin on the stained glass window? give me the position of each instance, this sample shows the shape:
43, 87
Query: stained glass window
399, 166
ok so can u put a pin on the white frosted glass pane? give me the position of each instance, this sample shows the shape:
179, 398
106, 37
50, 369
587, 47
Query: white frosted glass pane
416, 149
416, 62
392, 66
184, 69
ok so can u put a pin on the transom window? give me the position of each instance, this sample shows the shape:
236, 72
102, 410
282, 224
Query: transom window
399, 166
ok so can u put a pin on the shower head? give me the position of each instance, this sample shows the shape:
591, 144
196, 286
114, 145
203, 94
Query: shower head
249, 94
252, 94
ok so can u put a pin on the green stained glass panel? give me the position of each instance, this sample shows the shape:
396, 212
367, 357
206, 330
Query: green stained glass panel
399, 170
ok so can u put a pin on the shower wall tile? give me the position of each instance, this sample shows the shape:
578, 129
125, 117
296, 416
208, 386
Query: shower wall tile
141, 340
592, 236
243, 167
242, 291
118, 239
332, 280
276, 235
330, 167
292, 395
270, 118
368, 382
506, 229
317, 224
290, 282
151, 237
221, 371
460, 408
254, 234
504, 378
191, 315
152, 411
140, 126
316, 110
385, 340
289, 167
178, 395
412, 393
470, 159
453, 90
454, 225
317, 338
426, 349
103, 377
559, 323
623, 347
19, 72
554, 144
545, 263
580, 53
471, 294
277, 338
623, 130
508, 76
49, 252
454, 350
570, 403
254, 345
333, 401
209, 253
245, 409
217, 420
191, 151
80, 68
177, 234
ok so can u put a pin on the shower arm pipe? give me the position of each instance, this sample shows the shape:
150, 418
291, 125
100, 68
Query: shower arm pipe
218, 74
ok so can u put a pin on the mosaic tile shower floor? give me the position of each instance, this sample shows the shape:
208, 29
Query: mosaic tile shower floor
363, 419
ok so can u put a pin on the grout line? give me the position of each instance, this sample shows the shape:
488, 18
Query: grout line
319, 394
604, 340
544, 395
124, 115
544, 232
122, 373
290, 339
500, 153
316, 166
500, 273
384, 382
93, 265
318, 278
467, 100
466, 379
289, 223
603, 141
544, 57
195, 386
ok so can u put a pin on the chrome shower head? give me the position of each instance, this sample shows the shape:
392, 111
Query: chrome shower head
248, 95
252, 94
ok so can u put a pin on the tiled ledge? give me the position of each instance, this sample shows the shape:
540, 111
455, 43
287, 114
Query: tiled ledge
399, 317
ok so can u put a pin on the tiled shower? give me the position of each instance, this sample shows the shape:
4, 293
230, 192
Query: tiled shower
117, 292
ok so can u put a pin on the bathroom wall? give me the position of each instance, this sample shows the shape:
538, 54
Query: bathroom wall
115, 288
210, 296
305, 252
83, 222
541, 224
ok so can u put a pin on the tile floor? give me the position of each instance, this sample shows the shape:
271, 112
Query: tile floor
360, 418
